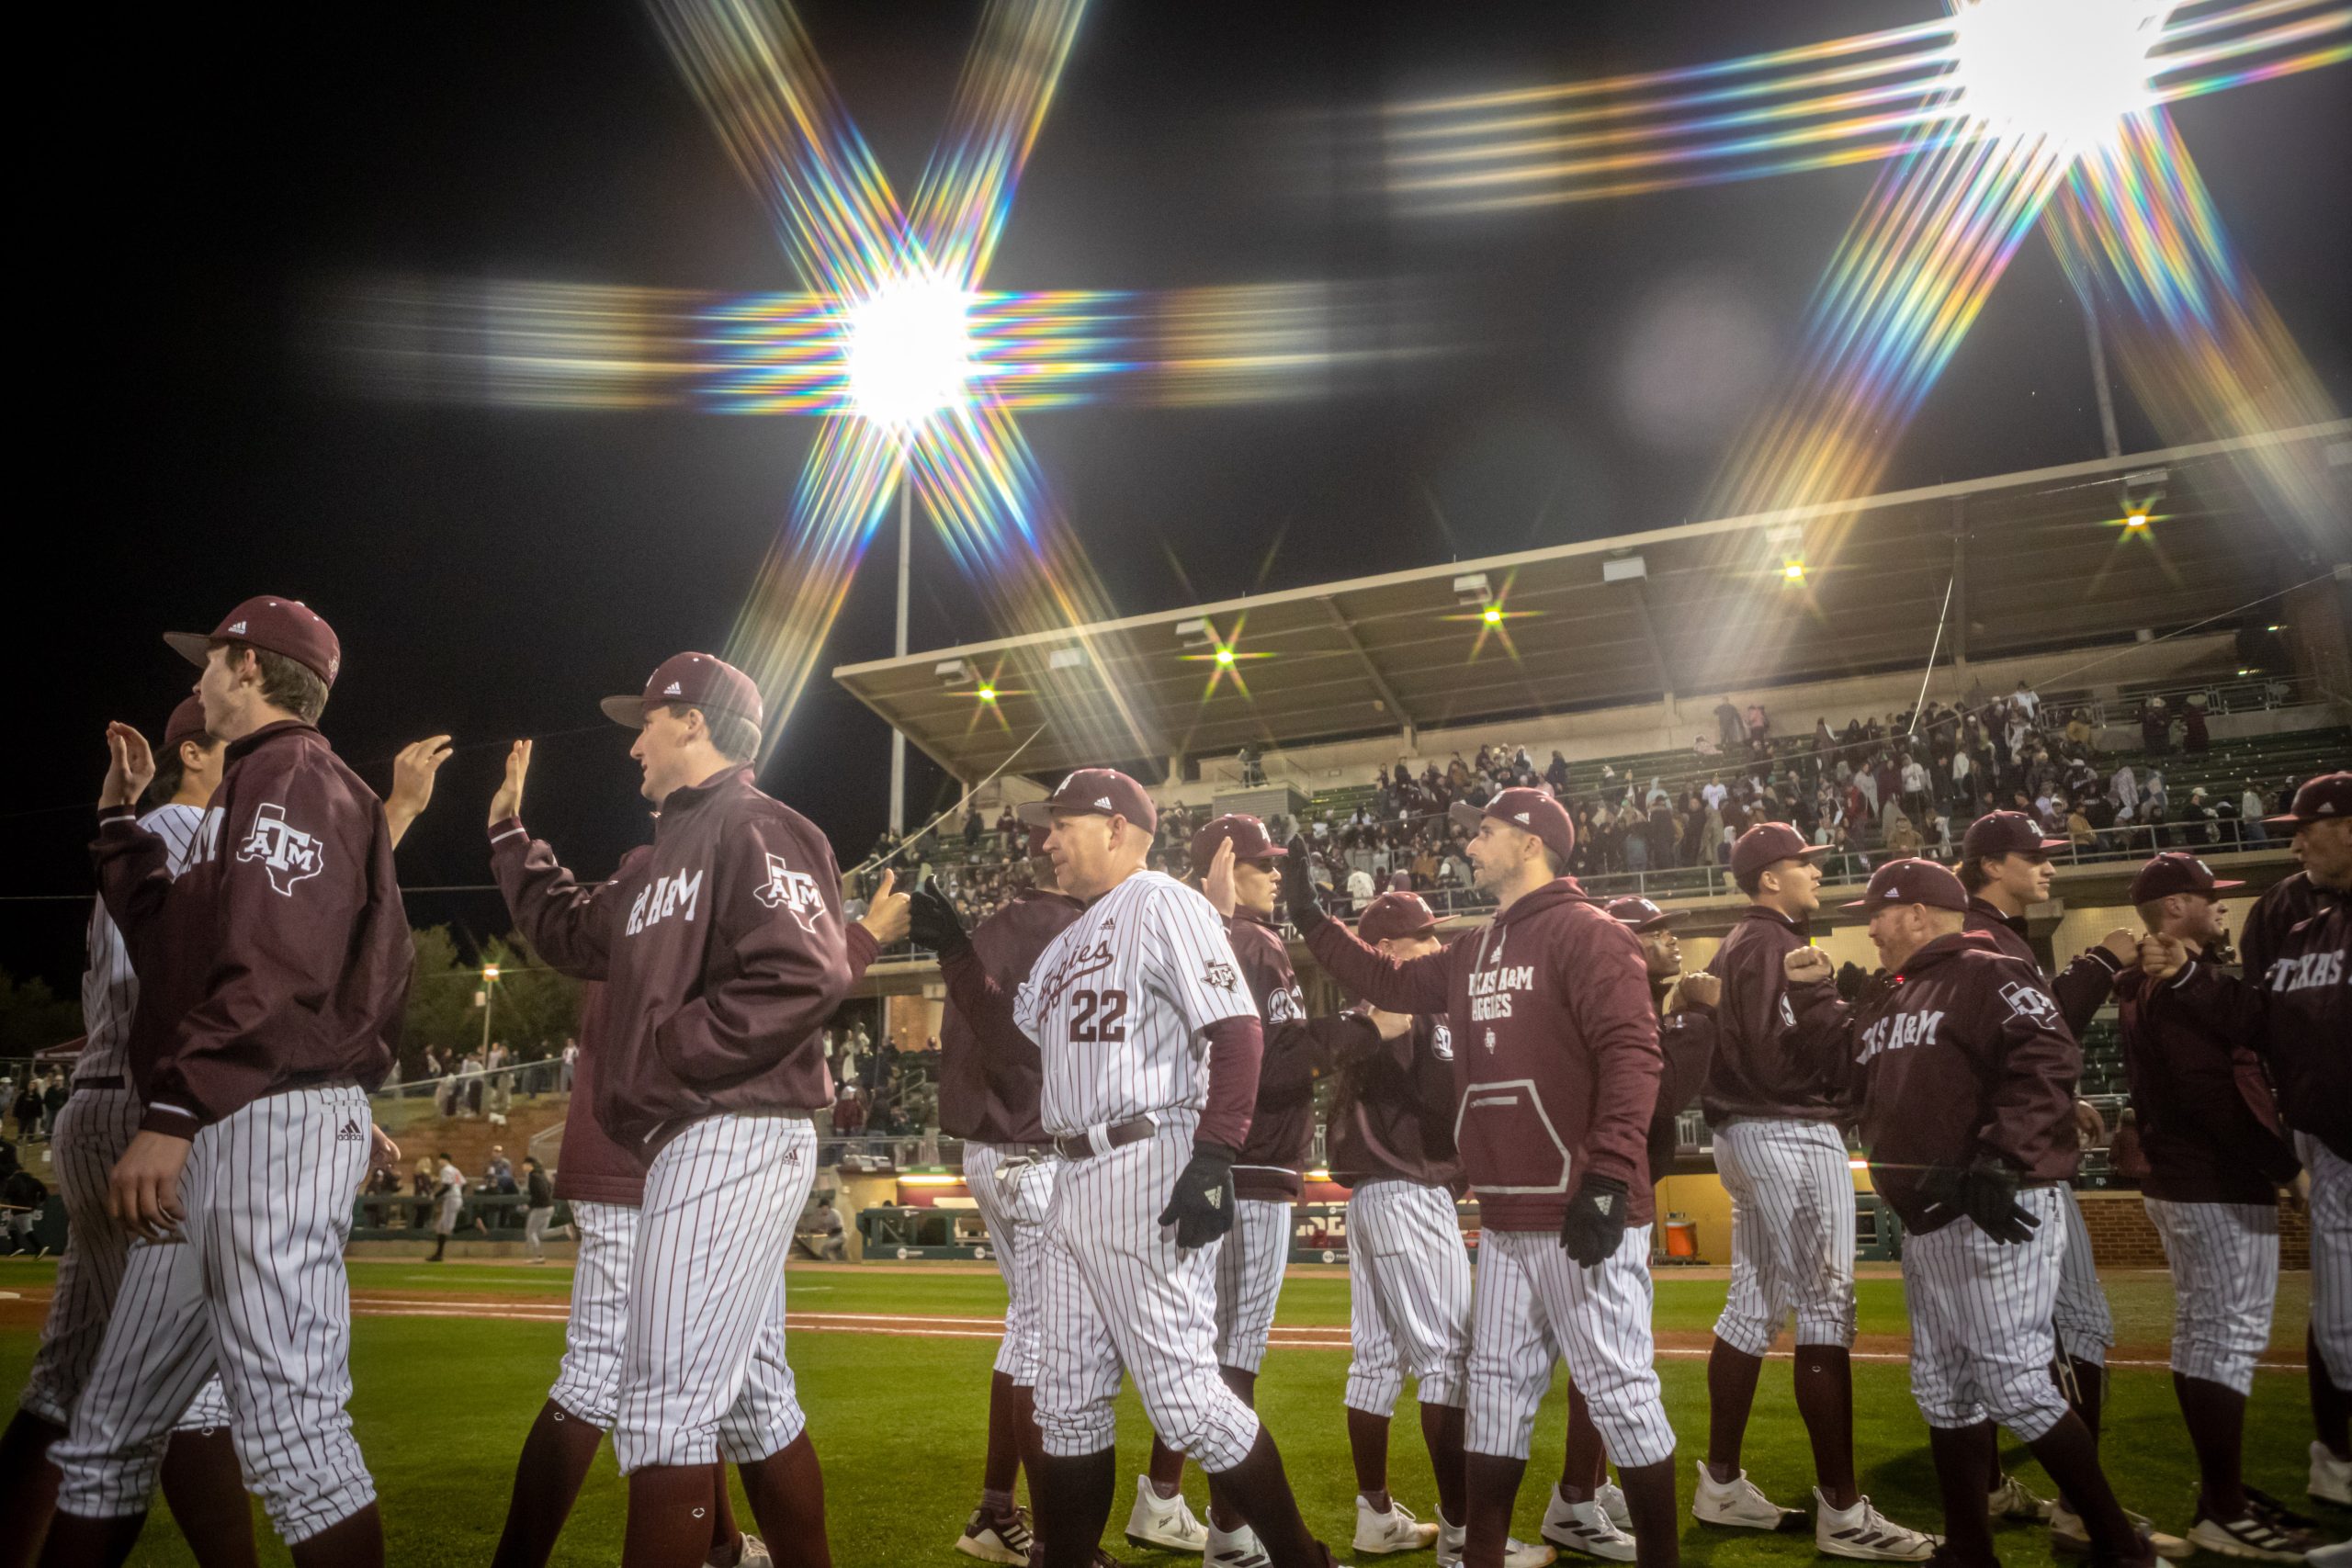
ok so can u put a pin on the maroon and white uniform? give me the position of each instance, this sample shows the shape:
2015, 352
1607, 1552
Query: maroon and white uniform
273, 978
1963, 1058
990, 1100
1269, 1174
723, 952
2086, 1324
1390, 1141
1776, 1106
1556, 1064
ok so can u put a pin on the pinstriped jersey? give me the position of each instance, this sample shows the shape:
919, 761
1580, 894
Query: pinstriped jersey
110, 988
1118, 1001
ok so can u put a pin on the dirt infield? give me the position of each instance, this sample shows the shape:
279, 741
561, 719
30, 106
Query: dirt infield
27, 1309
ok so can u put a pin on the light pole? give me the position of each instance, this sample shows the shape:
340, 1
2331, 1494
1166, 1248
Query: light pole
488, 1004
898, 735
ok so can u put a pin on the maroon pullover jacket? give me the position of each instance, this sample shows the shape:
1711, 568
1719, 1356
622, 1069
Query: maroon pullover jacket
1760, 1069
2209, 1130
2301, 1015
991, 1097
1298, 1051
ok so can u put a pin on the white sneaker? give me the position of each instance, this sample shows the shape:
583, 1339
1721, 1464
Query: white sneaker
2012, 1499
1004, 1539
1235, 1548
1611, 1498
1737, 1503
2069, 1534
1586, 1528
2254, 1536
756, 1553
1167, 1523
1517, 1553
1862, 1531
1396, 1530
2330, 1477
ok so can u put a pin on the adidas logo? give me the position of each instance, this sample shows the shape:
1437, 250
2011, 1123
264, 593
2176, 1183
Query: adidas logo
237, 630
1104, 804
349, 1133
1602, 1201
1520, 816
1216, 1198
674, 689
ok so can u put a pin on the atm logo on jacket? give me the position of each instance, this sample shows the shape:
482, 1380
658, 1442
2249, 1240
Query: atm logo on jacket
1490, 989
288, 854
665, 897
793, 891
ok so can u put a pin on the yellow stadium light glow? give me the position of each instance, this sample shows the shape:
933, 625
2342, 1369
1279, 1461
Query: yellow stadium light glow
2135, 519
1794, 572
1225, 656
490, 971
2068, 72
910, 349
1494, 614
988, 694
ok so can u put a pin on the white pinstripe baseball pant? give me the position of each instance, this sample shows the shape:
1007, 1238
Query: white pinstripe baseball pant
1014, 1193
1792, 1232
256, 1289
1120, 1292
2085, 1325
1408, 1295
588, 1384
93, 1129
2331, 1256
703, 1370
1249, 1264
1534, 1305
1981, 1341
2224, 1260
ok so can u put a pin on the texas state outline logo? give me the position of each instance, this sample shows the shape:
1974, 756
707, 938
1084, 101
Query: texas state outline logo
795, 892
288, 853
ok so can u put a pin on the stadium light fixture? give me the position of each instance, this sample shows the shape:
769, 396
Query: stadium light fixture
2136, 519
2065, 72
490, 971
1793, 571
1225, 656
1493, 615
988, 694
909, 349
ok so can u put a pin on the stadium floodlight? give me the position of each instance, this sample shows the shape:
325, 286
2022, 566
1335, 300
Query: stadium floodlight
988, 694
1473, 589
1066, 658
909, 349
2068, 72
951, 672
490, 971
1225, 656
1793, 571
1493, 615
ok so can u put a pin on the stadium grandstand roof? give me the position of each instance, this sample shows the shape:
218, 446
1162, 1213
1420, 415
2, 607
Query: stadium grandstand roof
2050, 557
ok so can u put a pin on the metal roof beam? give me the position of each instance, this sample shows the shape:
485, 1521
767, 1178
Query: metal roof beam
1372, 672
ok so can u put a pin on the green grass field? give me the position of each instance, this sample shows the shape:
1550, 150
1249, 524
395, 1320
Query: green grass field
442, 1405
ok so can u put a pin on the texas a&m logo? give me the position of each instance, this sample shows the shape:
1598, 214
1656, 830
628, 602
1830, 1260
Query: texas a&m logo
793, 891
287, 852
2031, 1002
1220, 974
662, 897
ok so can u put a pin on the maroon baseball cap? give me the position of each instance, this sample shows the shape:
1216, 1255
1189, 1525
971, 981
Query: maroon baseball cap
1531, 811
187, 723
1247, 833
1094, 791
1998, 834
1912, 881
2176, 870
285, 626
695, 681
2323, 799
1396, 914
1640, 913
1764, 846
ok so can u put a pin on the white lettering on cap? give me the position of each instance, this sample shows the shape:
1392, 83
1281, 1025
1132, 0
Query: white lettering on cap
674, 690
237, 630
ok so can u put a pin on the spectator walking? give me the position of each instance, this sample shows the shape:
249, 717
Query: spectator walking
2251, 811
449, 1196
1731, 728
2194, 737
539, 1199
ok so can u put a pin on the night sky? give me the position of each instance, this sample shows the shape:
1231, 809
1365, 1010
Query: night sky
206, 172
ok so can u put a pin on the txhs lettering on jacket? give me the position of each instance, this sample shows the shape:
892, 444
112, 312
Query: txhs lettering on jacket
1555, 1055
722, 949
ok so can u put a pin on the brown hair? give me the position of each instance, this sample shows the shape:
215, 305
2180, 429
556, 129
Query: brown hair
285, 683
735, 738
170, 770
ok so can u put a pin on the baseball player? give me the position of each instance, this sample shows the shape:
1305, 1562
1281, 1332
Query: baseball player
1147, 1045
2217, 1156
273, 976
1776, 1110
992, 1106
2293, 1001
1556, 1064
1965, 1075
2005, 865
723, 952
1587, 1512
1242, 878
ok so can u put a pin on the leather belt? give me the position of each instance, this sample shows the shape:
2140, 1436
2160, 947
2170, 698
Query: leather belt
1103, 1140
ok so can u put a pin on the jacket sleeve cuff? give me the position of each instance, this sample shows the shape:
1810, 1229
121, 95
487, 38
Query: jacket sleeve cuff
506, 828
863, 948
117, 814
171, 1121
2106, 960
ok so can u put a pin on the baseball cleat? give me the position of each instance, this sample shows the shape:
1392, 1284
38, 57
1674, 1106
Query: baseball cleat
1862, 1531
1235, 1548
1611, 1498
2069, 1534
1586, 1528
1737, 1503
2014, 1500
2330, 1477
2255, 1535
996, 1538
1396, 1530
1164, 1522
755, 1553
1517, 1553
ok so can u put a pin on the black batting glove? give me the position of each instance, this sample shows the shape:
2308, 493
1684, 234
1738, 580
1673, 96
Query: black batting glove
1596, 1220
932, 922
1201, 1208
1299, 899
1988, 1194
